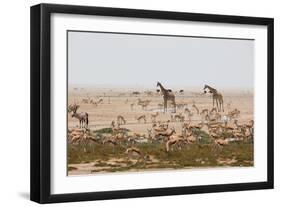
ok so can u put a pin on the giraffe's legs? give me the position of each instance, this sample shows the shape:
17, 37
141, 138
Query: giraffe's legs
222, 105
217, 104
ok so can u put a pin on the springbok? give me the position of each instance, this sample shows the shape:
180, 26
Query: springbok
143, 103
233, 114
153, 117
100, 101
195, 108
177, 141
121, 120
142, 117
132, 106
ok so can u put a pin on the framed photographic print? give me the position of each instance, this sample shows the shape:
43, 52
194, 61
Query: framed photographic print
133, 103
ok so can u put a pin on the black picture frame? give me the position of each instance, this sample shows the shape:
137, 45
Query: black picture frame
41, 99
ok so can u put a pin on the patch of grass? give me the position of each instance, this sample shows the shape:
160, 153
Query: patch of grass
71, 168
201, 154
109, 130
204, 137
104, 130
226, 135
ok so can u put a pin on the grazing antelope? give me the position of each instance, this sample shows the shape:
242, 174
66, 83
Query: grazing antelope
144, 103
142, 117
191, 139
75, 134
154, 116
214, 126
100, 101
85, 100
204, 111
80, 135
115, 128
180, 105
233, 114
227, 128
178, 117
133, 151
119, 137
195, 108
121, 120
176, 141
238, 126
164, 125
165, 134
213, 111
112, 125
93, 103
204, 115
188, 132
172, 142
160, 128
132, 106
185, 125
110, 141
242, 129
150, 134
188, 113
219, 143
83, 118
250, 127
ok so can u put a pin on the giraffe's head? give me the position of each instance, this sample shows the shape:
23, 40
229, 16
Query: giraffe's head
205, 89
158, 84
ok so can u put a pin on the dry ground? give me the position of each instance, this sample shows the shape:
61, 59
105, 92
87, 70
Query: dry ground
117, 102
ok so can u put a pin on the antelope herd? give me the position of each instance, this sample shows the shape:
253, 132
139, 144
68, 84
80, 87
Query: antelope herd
221, 126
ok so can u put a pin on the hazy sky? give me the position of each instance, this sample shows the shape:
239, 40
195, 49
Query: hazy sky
142, 60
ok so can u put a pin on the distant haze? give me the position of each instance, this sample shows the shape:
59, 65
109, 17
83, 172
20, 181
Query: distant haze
142, 60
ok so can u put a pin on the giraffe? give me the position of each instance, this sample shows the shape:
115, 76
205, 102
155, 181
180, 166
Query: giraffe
216, 97
167, 96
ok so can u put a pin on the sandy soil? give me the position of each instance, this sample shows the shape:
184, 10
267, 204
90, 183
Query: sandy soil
118, 102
